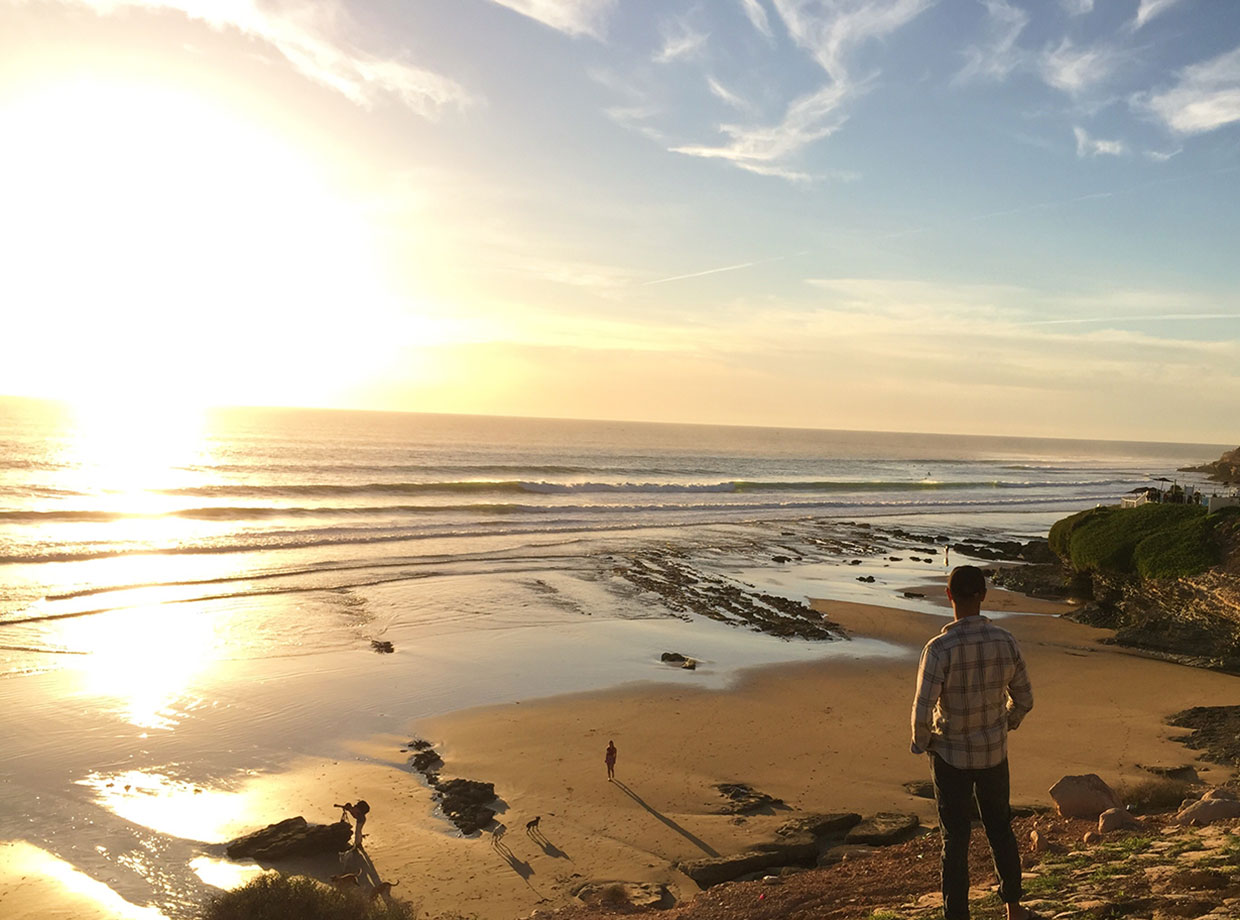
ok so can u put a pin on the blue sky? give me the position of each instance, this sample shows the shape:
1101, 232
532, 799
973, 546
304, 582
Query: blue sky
970, 215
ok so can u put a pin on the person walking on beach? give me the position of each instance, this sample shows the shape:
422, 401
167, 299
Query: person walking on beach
972, 689
610, 760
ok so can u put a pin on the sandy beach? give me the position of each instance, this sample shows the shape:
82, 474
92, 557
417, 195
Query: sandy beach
822, 735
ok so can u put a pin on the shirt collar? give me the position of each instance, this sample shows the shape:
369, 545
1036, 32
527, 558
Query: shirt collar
966, 623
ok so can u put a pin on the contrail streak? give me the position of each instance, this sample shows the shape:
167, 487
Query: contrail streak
715, 271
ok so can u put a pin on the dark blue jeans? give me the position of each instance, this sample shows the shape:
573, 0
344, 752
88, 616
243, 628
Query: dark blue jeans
955, 791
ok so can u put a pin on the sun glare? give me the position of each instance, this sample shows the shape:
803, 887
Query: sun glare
161, 250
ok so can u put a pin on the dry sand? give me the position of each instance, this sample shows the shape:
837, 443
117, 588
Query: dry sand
822, 736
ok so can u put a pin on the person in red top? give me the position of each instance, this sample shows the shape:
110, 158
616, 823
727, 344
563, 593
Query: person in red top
972, 689
610, 760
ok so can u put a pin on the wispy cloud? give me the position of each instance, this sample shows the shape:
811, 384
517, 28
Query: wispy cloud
757, 15
997, 56
1077, 69
721, 92
1087, 146
680, 42
1206, 97
1151, 8
1077, 7
573, 17
312, 36
829, 32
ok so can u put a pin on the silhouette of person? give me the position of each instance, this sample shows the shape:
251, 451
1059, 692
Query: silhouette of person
610, 760
357, 811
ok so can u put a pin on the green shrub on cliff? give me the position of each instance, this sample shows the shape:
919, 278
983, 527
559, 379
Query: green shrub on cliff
280, 897
1154, 541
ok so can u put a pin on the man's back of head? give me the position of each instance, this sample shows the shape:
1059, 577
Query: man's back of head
966, 588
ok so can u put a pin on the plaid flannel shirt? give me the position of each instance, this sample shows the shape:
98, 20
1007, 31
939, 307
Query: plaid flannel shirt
972, 688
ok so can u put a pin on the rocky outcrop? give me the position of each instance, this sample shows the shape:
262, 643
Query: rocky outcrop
1225, 469
291, 837
1215, 732
624, 894
1193, 620
714, 870
884, 828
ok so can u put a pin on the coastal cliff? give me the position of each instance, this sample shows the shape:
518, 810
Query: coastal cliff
1166, 578
1225, 469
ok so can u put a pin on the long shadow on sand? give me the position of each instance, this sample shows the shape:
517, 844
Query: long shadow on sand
693, 839
547, 846
519, 866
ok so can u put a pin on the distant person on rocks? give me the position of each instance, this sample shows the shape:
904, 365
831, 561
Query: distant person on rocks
972, 689
357, 811
610, 760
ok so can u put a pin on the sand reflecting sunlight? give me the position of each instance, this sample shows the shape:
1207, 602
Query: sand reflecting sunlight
172, 806
39, 884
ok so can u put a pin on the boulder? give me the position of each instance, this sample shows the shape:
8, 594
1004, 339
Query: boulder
689, 664
673, 658
713, 870
383, 646
291, 837
1221, 793
884, 828
819, 826
1117, 819
1206, 811
868, 579
1085, 796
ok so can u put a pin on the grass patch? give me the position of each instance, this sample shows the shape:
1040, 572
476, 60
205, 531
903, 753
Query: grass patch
277, 897
1157, 794
1185, 845
1045, 884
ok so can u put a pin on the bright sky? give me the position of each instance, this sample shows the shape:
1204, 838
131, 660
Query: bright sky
986, 216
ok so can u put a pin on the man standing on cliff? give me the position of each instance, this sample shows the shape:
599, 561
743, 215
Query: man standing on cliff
972, 689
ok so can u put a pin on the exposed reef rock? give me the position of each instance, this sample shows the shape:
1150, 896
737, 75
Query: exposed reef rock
685, 590
291, 837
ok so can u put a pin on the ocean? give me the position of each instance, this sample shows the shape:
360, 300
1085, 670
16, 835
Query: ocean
93, 507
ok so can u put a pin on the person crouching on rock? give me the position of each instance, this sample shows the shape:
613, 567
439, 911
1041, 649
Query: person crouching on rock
357, 811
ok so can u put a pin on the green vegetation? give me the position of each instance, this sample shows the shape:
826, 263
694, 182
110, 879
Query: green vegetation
1152, 795
278, 897
1153, 541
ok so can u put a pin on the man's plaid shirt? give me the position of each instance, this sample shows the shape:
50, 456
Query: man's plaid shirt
971, 689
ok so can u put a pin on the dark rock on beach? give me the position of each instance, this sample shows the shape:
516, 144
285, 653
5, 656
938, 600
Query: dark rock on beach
465, 803
1215, 732
382, 646
836, 824
291, 837
884, 828
744, 799
673, 658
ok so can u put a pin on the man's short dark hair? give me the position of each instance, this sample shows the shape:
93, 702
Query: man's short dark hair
966, 581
